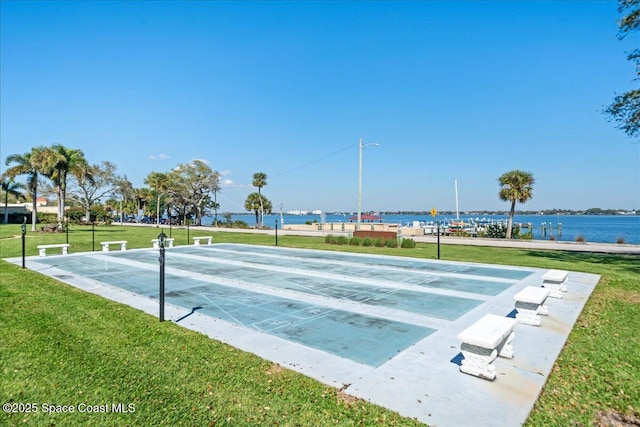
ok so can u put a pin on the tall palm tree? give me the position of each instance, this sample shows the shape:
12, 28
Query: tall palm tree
259, 181
9, 186
515, 186
56, 162
25, 164
159, 182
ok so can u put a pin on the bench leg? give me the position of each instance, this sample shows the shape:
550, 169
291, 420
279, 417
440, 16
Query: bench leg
556, 289
528, 313
543, 310
156, 245
196, 242
123, 247
105, 248
170, 243
208, 241
478, 361
64, 250
42, 252
505, 349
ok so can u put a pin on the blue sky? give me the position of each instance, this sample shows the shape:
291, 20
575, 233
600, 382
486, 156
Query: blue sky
450, 90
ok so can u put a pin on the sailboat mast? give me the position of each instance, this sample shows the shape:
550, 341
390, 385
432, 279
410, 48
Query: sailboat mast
456, 184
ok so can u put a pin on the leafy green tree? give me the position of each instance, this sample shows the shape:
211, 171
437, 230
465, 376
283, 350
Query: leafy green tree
24, 164
10, 187
258, 204
625, 109
191, 187
259, 181
56, 163
515, 186
90, 183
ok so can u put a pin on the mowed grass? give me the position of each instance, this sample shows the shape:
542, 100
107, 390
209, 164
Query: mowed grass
63, 346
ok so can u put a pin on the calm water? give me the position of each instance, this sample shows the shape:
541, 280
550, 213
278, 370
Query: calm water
594, 228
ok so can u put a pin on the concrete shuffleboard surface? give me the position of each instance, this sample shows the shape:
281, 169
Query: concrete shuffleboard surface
383, 328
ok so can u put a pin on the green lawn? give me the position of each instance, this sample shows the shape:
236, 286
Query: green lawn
63, 346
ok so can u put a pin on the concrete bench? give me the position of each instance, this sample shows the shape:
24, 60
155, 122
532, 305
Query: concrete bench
556, 281
196, 240
168, 244
483, 342
122, 243
43, 248
530, 302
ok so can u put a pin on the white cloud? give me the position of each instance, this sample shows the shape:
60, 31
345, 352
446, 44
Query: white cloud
158, 156
227, 182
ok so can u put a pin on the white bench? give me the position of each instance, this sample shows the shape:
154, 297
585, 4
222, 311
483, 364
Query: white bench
168, 244
483, 342
530, 302
43, 248
196, 240
556, 281
122, 243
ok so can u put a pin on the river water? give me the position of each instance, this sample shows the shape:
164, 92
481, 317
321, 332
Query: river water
593, 228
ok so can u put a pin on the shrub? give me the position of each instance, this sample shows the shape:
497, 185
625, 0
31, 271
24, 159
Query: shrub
378, 243
391, 243
330, 239
408, 243
46, 218
499, 231
355, 241
620, 240
367, 241
342, 240
580, 239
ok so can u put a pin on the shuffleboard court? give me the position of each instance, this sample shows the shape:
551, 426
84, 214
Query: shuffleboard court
383, 328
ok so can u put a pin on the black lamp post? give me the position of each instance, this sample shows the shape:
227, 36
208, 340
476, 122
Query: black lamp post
23, 227
161, 240
276, 232
438, 239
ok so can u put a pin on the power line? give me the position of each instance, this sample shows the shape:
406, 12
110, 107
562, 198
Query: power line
313, 161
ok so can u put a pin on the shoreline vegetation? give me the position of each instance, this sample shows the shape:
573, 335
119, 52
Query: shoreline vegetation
591, 211
61, 343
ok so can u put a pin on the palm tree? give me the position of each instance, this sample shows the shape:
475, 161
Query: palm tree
257, 204
260, 180
56, 162
9, 186
25, 165
515, 186
142, 197
159, 182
